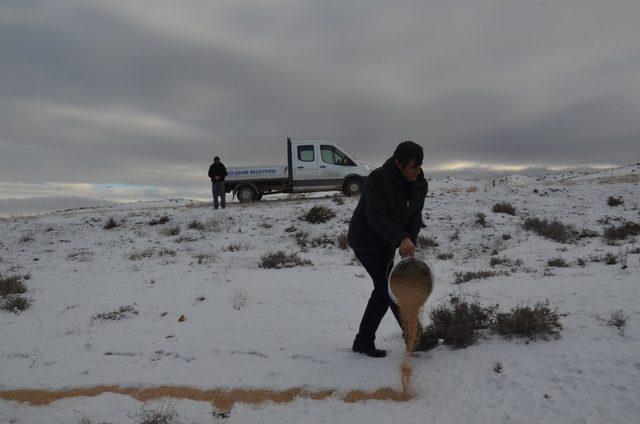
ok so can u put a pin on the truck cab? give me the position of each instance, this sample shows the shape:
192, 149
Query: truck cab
324, 166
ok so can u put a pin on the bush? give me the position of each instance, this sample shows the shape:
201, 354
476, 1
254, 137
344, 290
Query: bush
196, 225
523, 321
614, 201
301, 238
553, 230
557, 262
205, 258
481, 219
458, 322
12, 284
618, 319
503, 208
425, 242
587, 233
610, 259
343, 241
123, 312
444, 256
160, 221
15, 303
162, 415
464, 277
171, 231
338, 199
322, 241
111, 224
622, 231
506, 236
319, 214
140, 254
281, 259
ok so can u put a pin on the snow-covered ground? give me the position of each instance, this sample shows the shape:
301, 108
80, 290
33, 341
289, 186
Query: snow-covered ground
249, 327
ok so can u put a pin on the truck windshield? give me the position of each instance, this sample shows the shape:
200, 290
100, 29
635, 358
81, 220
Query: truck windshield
334, 156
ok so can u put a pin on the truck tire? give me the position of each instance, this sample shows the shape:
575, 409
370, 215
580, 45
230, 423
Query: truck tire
353, 187
247, 194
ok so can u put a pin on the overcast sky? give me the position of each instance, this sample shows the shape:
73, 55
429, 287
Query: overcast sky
131, 99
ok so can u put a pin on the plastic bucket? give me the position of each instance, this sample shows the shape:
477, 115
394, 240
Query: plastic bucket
412, 266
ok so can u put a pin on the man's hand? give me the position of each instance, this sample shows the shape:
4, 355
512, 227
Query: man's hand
216, 178
407, 248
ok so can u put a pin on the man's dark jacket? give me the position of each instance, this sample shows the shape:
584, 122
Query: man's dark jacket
217, 169
390, 209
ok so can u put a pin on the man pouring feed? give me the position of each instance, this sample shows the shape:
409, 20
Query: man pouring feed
388, 217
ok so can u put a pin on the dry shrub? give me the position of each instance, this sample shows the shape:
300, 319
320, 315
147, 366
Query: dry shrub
205, 257
464, 277
508, 262
322, 241
618, 319
319, 214
123, 312
459, 322
301, 238
171, 231
111, 224
15, 303
444, 255
12, 284
622, 231
160, 221
425, 242
614, 201
504, 207
553, 230
196, 225
524, 321
343, 241
610, 259
481, 219
140, 254
472, 189
162, 415
280, 259
557, 262
338, 199
587, 233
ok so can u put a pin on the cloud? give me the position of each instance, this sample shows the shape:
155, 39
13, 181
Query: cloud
146, 92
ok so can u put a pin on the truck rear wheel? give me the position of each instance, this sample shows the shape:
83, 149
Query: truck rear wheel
352, 187
247, 194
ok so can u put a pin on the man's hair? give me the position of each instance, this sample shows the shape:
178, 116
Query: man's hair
408, 150
216, 159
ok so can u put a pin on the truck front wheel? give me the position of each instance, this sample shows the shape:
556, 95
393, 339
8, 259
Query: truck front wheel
247, 194
352, 187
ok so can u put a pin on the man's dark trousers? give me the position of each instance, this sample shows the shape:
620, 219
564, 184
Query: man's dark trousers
378, 265
218, 190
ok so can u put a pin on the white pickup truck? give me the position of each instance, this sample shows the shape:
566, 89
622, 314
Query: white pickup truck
311, 166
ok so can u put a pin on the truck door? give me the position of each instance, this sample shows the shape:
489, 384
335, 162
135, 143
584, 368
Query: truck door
305, 167
334, 166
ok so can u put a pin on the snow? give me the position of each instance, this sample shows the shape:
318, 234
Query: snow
277, 329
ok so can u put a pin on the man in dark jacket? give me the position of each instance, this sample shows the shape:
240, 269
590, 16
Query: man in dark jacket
217, 172
388, 217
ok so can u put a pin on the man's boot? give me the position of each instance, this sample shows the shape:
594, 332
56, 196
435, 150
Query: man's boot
368, 349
